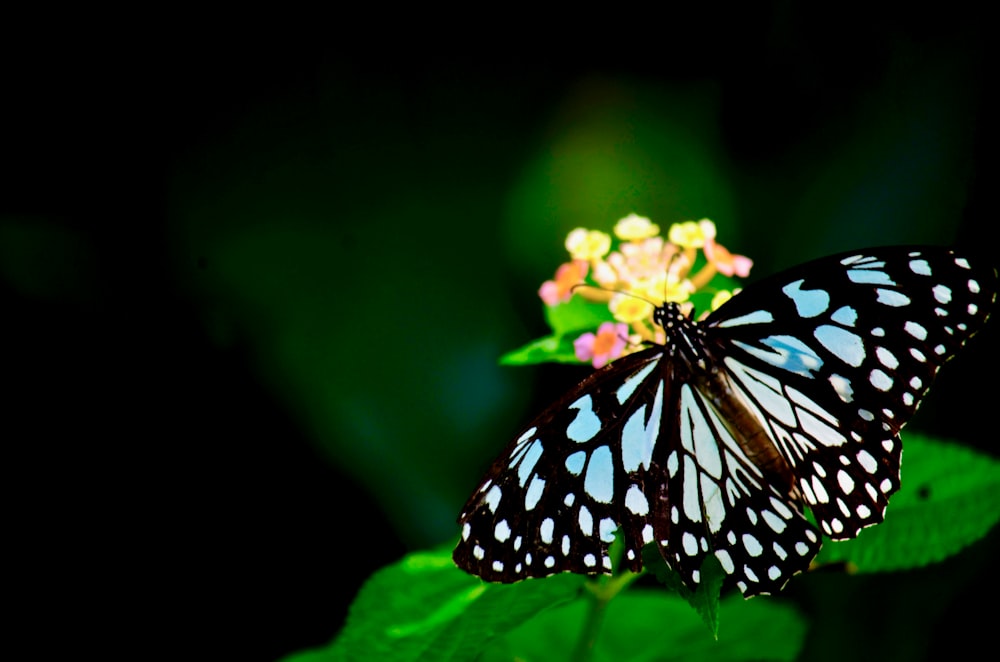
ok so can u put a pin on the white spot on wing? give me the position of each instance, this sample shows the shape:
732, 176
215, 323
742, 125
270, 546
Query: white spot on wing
752, 545
492, 498
586, 424
638, 438
689, 544
629, 386
534, 493
599, 480
606, 529
845, 481
696, 435
867, 461
892, 298
887, 358
880, 380
575, 462
586, 521
915, 330
756, 317
691, 503
501, 531
776, 523
725, 560
546, 530
808, 303
819, 491
869, 277
527, 464
715, 508
636, 501
846, 346
842, 385
845, 315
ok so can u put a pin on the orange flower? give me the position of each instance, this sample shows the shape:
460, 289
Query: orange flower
561, 289
727, 263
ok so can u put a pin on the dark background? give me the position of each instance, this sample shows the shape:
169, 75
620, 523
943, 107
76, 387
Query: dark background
254, 283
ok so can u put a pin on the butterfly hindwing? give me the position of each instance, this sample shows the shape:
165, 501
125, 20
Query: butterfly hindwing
727, 506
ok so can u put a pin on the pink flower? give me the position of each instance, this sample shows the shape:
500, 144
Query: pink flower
726, 262
607, 345
561, 289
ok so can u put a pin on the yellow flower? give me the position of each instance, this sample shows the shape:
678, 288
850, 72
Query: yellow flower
629, 309
688, 234
634, 228
720, 298
664, 287
707, 228
584, 244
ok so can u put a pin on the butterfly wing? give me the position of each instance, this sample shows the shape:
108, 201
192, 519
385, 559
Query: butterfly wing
834, 356
636, 448
791, 393
554, 498
724, 503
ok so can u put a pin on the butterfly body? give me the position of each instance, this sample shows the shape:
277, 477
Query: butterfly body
790, 395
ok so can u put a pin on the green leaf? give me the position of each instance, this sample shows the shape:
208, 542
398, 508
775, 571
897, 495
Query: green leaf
576, 316
649, 624
550, 349
705, 600
568, 320
949, 498
424, 607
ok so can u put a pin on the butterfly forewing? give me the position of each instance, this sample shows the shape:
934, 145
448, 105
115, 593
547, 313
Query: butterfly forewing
554, 499
791, 394
835, 357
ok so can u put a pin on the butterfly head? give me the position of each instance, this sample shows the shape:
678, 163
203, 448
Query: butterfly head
670, 315
684, 337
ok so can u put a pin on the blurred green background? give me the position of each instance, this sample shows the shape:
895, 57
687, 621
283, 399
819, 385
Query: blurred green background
255, 284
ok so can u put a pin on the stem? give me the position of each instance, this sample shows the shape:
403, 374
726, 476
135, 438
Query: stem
600, 592
588, 636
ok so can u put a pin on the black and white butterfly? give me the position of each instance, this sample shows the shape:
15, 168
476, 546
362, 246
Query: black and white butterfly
789, 395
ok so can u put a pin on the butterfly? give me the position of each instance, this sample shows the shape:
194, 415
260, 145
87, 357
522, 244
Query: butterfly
790, 395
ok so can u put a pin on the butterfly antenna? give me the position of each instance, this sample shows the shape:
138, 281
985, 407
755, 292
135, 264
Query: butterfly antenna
610, 291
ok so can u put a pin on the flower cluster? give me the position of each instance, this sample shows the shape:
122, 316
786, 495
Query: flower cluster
639, 272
